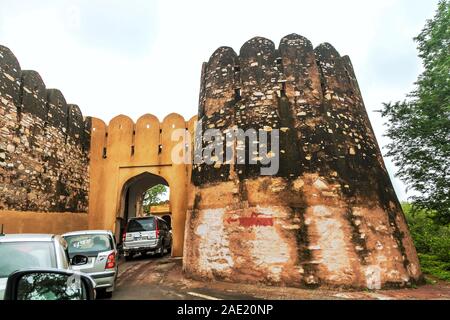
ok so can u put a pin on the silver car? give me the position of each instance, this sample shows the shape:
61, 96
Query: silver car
100, 248
25, 251
144, 235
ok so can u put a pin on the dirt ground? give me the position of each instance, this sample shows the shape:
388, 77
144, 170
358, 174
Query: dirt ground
162, 278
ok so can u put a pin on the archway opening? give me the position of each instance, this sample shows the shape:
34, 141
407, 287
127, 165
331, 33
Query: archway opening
145, 195
155, 201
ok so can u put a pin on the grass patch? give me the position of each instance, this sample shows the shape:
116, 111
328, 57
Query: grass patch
432, 265
432, 242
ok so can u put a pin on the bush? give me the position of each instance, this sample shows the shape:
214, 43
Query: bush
432, 265
432, 242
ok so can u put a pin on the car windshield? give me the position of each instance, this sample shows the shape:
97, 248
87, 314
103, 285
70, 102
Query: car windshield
25, 255
87, 244
139, 225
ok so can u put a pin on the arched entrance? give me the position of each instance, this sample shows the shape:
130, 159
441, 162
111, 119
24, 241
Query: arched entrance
132, 199
168, 219
126, 154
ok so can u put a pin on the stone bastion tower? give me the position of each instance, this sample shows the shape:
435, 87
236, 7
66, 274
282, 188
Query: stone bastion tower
330, 216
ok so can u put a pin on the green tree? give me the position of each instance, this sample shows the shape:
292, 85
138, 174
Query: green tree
154, 195
419, 126
432, 242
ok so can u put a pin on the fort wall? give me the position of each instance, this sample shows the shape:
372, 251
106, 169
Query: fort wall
330, 216
123, 150
42, 222
44, 144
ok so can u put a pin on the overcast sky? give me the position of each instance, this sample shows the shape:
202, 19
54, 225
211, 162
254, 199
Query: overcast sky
135, 57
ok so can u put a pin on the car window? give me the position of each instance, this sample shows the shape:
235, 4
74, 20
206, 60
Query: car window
139, 225
49, 286
24, 255
88, 244
112, 239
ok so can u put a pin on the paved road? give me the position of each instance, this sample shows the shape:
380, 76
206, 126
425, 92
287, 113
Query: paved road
148, 278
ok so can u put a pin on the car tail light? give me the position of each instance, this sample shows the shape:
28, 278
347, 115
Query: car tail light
157, 230
124, 236
111, 261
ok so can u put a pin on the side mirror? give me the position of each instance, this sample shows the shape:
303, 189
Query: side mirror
49, 284
79, 260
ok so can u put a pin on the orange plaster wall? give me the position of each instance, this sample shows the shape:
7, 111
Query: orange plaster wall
42, 222
132, 149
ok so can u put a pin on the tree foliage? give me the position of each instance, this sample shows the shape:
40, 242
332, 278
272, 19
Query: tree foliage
155, 195
432, 242
419, 126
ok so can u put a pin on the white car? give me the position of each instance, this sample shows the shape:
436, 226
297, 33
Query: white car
99, 246
27, 251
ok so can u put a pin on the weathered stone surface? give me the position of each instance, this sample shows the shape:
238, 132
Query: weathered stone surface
44, 144
330, 216
75, 122
57, 109
9, 75
34, 95
217, 101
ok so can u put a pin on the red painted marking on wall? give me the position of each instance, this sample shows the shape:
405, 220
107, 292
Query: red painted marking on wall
256, 219
230, 220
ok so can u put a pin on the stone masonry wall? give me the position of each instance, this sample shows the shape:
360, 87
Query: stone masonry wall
44, 144
330, 217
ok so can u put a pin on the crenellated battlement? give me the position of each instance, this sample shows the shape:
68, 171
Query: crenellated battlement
123, 151
148, 140
27, 91
310, 93
44, 144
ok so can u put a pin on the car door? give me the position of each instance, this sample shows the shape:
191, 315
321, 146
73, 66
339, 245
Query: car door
167, 236
116, 251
